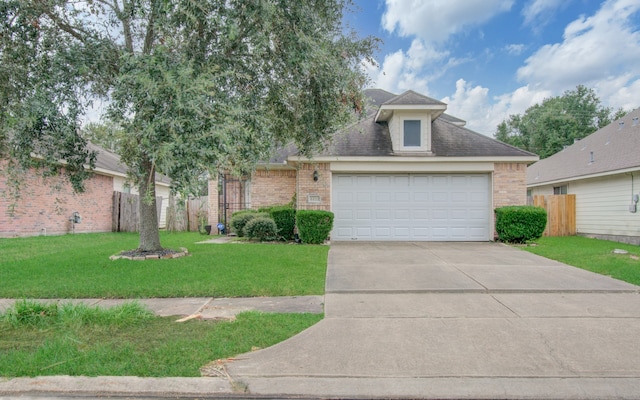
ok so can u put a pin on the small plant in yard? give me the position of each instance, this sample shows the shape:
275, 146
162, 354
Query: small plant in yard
520, 224
261, 228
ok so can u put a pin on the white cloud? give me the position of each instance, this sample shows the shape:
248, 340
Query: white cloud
594, 49
539, 11
402, 71
436, 20
514, 49
483, 113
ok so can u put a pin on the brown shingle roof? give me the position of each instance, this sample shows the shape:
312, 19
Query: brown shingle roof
612, 148
369, 138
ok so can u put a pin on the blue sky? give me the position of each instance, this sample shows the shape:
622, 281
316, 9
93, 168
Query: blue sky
488, 59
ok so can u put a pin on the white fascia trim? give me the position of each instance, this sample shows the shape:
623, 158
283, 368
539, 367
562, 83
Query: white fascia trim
368, 167
583, 177
409, 159
408, 107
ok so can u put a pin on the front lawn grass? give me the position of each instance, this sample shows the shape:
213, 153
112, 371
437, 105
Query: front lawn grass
78, 266
593, 255
128, 340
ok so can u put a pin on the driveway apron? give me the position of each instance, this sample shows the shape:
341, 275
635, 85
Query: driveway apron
457, 320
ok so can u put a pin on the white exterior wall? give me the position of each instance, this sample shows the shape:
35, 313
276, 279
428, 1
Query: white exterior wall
161, 191
602, 204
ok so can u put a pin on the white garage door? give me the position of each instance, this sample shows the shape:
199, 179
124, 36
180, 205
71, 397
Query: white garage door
420, 207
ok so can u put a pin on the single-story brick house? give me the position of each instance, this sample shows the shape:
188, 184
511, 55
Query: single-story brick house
45, 207
407, 171
603, 171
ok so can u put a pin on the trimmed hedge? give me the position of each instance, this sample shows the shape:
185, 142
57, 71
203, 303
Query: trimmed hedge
285, 219
520, 224
261, 228
314, 226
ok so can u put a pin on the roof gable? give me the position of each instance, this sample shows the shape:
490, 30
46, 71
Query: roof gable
612, 148
412, 98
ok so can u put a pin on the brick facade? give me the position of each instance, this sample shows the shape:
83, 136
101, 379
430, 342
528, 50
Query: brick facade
312, 194
213, 204
509, 184
45, 207
272, 186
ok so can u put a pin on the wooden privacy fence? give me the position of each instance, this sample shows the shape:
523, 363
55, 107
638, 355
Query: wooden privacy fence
192, 215
561, 213
126, 217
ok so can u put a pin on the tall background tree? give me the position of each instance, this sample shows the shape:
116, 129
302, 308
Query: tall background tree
544, 129
195, 85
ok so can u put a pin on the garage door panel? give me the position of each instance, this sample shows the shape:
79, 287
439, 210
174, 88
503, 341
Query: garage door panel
402, 197
440, 197
383, 197
402, 215
383, 232
411, 206
421, 214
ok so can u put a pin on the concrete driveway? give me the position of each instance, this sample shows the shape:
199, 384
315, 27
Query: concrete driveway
457, 320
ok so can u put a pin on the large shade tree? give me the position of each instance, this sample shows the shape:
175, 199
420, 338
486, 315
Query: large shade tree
195, 85
546, 128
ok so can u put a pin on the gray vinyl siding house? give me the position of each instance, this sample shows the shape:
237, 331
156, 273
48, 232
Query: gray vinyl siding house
603, 172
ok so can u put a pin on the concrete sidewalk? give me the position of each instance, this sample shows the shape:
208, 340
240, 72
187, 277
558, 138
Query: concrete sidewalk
206, 307
429, 320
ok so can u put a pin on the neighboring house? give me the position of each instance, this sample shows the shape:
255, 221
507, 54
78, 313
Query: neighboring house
46, 206
407, 171
603, 171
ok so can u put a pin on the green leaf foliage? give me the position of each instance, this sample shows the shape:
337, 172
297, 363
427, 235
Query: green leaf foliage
261, 228
545, 128
195, 86
520, 224
314, 226
285, 219
240, 219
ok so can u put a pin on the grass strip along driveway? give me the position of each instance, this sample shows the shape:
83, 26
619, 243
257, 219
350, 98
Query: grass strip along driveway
593, 255
38, 339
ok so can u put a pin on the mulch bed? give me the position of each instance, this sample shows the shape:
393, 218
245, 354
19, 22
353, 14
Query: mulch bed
139, 255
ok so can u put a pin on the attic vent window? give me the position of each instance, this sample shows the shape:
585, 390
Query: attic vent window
412, 133
620, 125
635, 121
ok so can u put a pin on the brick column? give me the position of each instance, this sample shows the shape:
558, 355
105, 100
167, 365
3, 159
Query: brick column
314, 194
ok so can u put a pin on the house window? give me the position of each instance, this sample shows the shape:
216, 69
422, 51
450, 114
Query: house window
412, 133
560, 189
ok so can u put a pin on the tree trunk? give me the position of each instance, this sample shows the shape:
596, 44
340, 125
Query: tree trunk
149, 232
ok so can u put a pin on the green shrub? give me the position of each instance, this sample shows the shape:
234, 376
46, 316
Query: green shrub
239, 219
261, 228
520, 224
266, 209
285, 219
314, 226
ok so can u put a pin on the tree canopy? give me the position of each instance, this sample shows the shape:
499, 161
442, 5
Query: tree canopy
195, 85
544, 129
